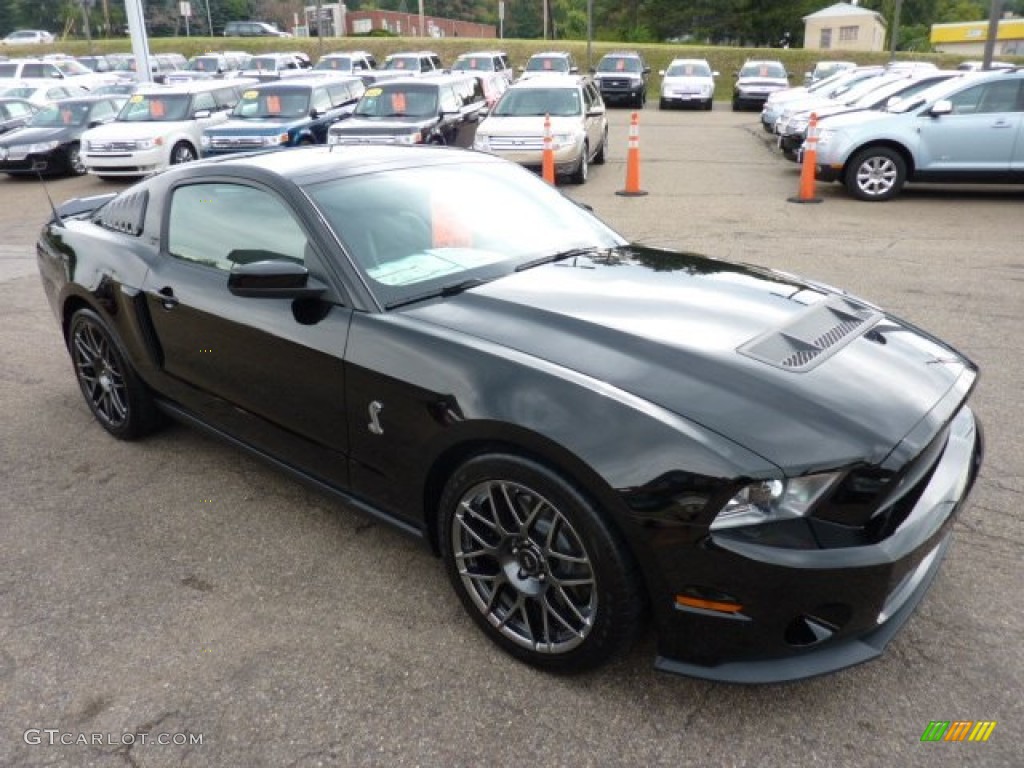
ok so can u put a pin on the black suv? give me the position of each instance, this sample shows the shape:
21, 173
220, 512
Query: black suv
445, 109
621, 76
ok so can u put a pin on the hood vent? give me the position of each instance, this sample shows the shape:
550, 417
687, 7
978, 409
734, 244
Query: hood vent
813, 336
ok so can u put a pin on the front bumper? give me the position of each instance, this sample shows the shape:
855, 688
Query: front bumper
38, 162
614, 94
567, 159
807, 612
140, 162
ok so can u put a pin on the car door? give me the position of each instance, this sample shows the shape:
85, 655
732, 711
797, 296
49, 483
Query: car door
593, 116
268, 371
979, 135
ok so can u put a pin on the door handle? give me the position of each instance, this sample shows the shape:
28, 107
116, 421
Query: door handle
1001, 124
166, 297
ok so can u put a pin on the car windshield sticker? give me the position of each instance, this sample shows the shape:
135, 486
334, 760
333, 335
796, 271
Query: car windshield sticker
250, 95
547, 63
136, 98
620, 65
156, 108
448, 228
429, 265
400, 64
273, 104
473, 64
764, 71
398, 103
374, 92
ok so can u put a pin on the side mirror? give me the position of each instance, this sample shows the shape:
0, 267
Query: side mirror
647, 70
595, 111
661, 73
199, 114
574, 70
715, 73
941, 107
315, 113
270, 277
593, 70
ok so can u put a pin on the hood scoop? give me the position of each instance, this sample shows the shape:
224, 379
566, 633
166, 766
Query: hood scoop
813, 336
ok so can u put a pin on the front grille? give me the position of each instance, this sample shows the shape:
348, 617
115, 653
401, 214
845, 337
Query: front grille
813, 336
516, 143
364, 139
112, 146
236, 142
615, 83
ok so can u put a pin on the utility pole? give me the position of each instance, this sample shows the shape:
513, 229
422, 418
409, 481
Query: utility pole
995, 11
544, 5
423, 21
590, 32
894, 38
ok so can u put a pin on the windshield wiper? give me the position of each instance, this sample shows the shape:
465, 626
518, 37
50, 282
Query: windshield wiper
559, 256
445, 291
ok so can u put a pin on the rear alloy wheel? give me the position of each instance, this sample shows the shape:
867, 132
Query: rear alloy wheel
876, 174
582, 171
76, 167
118, 400
182, 153
536, 566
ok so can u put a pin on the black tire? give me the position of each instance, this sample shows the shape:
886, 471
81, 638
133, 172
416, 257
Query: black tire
600, 157
708, 105
875, 174
536, 566
73, 160
183, 152
662, 104
582, 172
735, 106
119, 401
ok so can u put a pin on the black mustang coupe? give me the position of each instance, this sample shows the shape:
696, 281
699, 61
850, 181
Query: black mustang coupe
588, 432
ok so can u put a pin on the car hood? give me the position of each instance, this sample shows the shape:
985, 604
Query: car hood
246, 127
499, 125
676, 330
118, 131
30, 135
682, 81
357, 125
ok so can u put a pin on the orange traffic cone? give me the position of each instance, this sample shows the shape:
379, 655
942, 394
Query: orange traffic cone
633, 160
809, 160
547, 162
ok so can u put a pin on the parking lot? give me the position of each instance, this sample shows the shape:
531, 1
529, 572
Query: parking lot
177, 586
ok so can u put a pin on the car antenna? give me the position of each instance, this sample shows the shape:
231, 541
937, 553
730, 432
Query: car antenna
38, 166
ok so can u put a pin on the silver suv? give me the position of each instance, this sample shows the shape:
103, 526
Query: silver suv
968, 129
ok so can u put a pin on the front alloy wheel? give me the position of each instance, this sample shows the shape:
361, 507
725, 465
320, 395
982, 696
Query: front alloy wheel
876, 174
76, 166
536, 566
582, 171
182, 153
118, 400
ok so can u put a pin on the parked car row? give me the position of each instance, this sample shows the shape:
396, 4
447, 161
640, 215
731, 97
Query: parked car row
879, 128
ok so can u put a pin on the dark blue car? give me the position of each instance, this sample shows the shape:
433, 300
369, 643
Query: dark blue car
291, 113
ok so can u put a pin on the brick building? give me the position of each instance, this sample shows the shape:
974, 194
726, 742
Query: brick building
408, 25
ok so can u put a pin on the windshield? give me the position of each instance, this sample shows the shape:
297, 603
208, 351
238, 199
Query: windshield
416, 230
763, 69
154, 107
620, 64
547, 64
926, 96
534, 102
398, 101
468, 63
688, 69
72, 67
21, 92
264, 63
8, 70
342, 63
410, 63
58, 115
204, 64
273, 102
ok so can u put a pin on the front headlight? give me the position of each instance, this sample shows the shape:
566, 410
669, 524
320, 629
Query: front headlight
411, 138
43, 146
825, 135
273, 141
482, 143
563, 140
204, 140
798, 124
149, 143
333, 138
771, 500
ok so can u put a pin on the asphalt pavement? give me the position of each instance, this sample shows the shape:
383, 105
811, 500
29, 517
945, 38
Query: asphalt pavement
178, 588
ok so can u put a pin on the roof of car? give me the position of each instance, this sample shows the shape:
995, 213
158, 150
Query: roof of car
555, 80
542, 54
196, 86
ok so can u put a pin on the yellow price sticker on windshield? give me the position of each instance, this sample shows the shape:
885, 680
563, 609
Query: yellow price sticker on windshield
374, 91
250, 94
136, 98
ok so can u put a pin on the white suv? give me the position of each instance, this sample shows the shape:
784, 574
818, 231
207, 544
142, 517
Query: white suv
63, 71
158, 127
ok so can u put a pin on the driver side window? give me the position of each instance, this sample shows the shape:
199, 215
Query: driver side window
221, 224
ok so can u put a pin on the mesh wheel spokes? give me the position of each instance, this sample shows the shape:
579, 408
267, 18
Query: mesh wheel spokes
876, 175
524, 566
99, 375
